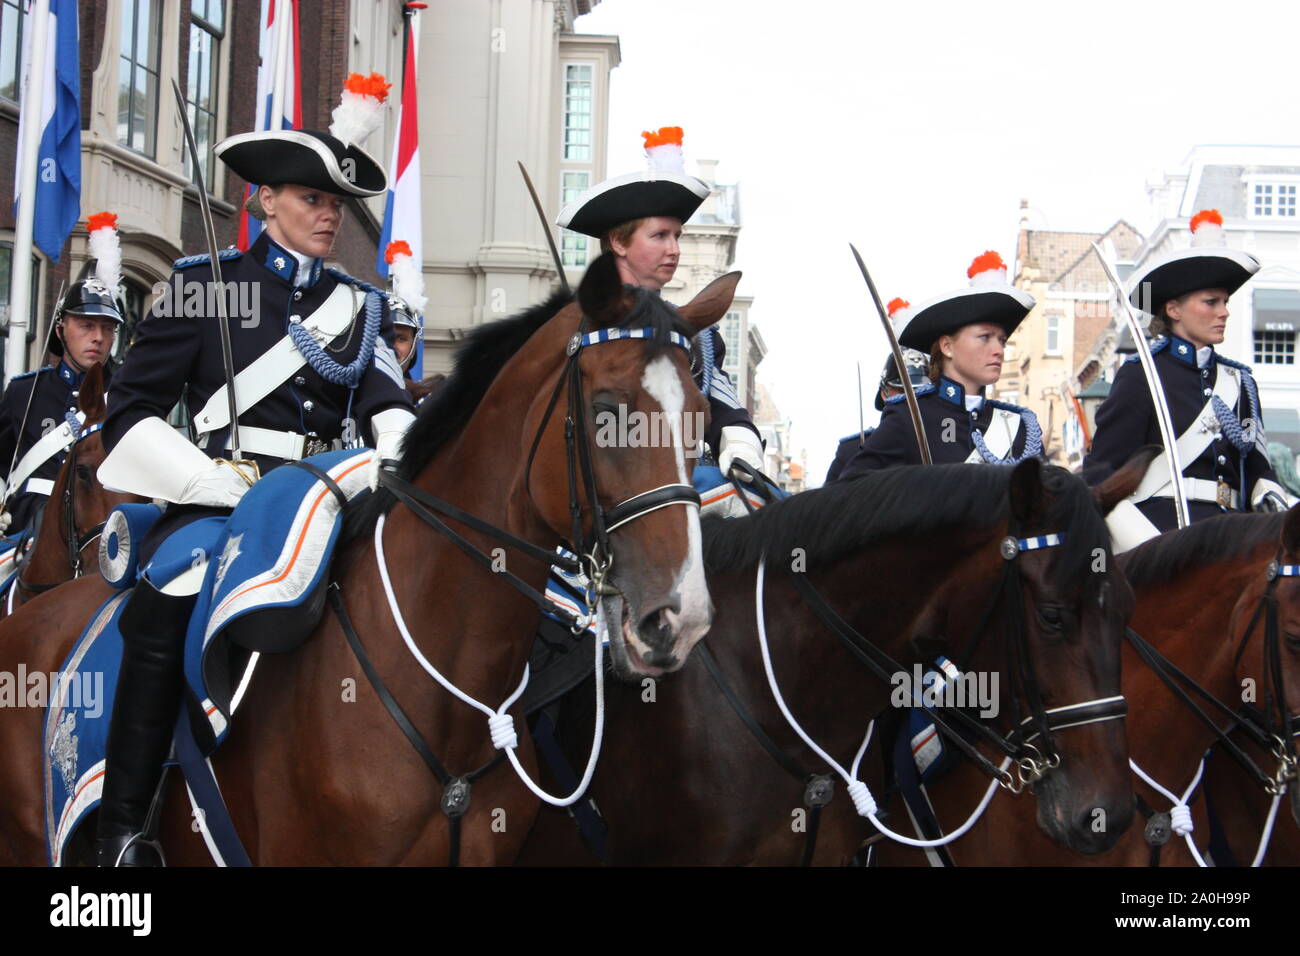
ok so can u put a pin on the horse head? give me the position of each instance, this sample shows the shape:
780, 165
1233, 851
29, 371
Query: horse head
1063, 608
1265, 629
648, 421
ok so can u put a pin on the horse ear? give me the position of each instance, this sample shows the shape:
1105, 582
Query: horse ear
712, 302
600, 294
90, 397
1291, 531
1124, 481
1026, 490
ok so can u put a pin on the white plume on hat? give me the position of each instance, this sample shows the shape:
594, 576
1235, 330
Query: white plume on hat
105, 249
1207, 228
361, 110
407, 276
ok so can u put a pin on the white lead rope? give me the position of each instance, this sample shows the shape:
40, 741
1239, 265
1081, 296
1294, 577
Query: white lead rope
500, 724
863, 801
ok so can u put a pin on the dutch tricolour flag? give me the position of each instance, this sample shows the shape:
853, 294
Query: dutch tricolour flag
402, 209
58, 124
279, 93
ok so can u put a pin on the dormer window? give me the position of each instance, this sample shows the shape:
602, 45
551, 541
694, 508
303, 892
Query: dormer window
1271, 200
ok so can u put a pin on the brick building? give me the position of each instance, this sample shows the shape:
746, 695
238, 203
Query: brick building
134, 161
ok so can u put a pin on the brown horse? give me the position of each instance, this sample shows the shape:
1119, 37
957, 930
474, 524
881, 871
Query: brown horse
1182, 581
895, 553
1242, 805
315, 769
67, 533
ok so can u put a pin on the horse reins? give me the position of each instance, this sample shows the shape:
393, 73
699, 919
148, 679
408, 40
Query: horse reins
456, 789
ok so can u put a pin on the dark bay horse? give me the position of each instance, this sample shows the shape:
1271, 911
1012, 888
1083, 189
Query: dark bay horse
1196, 590
1242, 805
908, 551
314, 774
67, 534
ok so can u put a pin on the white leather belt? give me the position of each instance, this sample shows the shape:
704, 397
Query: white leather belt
267, 441
1202, 489
39, 486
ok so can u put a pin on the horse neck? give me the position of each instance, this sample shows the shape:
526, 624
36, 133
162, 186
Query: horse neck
429, 572
1184, 619
821, 678
49, 564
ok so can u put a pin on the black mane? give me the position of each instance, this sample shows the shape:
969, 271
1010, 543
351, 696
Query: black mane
844, 517
1218, 539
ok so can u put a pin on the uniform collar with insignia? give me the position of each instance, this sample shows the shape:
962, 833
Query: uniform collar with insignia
1189, 354
293, 267
69, 376
955, 393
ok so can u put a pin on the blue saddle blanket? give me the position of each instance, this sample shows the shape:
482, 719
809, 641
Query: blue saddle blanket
272, 552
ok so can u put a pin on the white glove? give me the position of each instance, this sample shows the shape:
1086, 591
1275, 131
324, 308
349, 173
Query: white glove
6, 519
737, 441
217, 486
389, 427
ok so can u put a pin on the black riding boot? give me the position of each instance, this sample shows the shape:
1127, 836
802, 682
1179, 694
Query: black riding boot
144, 715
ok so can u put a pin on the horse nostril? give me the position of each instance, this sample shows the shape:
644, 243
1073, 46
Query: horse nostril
656, 629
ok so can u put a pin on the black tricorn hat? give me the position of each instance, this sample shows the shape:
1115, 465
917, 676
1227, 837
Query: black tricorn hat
305, 157
633, 196
1187, 271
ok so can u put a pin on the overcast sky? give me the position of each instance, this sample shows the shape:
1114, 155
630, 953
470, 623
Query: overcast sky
914, 130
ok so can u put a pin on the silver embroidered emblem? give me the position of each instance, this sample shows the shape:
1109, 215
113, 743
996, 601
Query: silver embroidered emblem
279, 262
228, 555
951, 390
1182, 350
63, 750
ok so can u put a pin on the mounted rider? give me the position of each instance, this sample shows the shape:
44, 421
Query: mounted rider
891, 384
35, 433
965, 334
1213, 401
315, 370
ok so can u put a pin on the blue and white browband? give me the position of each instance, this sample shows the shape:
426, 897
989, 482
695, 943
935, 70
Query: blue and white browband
1042, 541
609, 335
1283, 571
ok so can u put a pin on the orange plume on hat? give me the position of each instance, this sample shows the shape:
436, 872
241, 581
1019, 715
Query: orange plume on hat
666, 136
897, 304
989, 261
101, 220
373, 85
1211, 216
399, 247
361, 110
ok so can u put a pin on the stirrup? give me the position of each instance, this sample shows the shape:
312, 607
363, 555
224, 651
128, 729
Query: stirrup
134, 850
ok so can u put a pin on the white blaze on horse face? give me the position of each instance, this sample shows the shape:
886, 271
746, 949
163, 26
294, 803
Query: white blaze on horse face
663, 383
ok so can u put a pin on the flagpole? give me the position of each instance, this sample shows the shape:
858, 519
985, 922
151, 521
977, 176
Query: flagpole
20, 288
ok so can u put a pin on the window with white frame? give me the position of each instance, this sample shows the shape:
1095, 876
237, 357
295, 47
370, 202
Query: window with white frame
1272, 200
574, 246
1276, 320
731, 339
578, 85
13, 20
138, 66
207, 28
1053, 333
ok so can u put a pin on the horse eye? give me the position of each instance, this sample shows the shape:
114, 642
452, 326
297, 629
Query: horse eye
83, 473
1051, 618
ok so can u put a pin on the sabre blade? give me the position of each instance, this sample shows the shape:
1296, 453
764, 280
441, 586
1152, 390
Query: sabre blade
1163, 419
210, 234
912, 406
546, 228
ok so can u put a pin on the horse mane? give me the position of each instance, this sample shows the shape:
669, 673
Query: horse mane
847, 516
1212, 541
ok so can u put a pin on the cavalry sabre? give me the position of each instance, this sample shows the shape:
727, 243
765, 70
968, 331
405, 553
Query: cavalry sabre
908, 391
1163, 418
546, 228
209, 232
